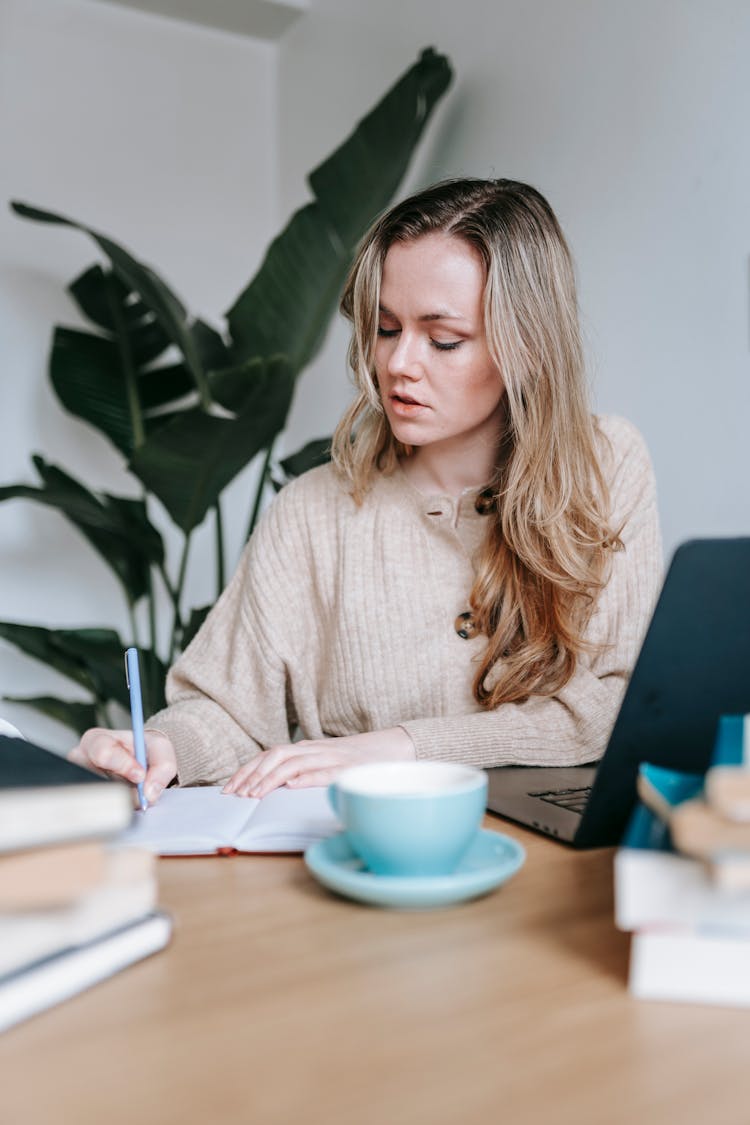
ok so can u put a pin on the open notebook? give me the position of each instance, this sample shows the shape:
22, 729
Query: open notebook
205, 821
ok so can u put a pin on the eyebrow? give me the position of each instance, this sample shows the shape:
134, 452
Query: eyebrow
440, 314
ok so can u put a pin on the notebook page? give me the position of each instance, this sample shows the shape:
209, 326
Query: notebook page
287, 820
193, 821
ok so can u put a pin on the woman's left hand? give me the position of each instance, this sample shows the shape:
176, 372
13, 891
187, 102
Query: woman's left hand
317, 761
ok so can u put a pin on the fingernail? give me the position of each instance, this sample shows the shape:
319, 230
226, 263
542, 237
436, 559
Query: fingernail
152, 791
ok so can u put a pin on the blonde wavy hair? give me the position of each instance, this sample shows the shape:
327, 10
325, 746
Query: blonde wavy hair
548, 542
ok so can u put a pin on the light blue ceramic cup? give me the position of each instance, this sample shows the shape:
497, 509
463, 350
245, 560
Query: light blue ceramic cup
410, 818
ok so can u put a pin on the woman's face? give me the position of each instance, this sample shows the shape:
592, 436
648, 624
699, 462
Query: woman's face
437, 379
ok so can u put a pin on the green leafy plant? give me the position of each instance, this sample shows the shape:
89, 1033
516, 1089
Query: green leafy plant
186, 427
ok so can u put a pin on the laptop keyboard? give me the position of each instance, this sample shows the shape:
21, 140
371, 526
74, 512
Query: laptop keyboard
573, 799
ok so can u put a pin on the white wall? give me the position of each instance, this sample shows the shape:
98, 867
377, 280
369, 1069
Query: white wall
163, 136
633, 120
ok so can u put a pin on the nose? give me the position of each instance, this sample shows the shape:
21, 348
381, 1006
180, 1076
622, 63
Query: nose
405, 359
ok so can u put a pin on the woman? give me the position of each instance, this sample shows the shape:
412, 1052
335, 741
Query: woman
471, 576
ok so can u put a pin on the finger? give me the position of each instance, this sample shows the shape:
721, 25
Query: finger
157, 779
263, 780
111, 751
315, 777
80, 759
240, 775
297, 767
254, 771
77, 755
162, 765
238, 778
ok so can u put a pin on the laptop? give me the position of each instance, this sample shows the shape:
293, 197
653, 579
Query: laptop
694, 665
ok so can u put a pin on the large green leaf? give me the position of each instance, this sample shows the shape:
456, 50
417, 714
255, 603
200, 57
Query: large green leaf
96, 289
189, 461
85, 372
87, 375
286, 307
377, 152
117, 527
159, 386
93, 658
77, 715
141, 279
153, 679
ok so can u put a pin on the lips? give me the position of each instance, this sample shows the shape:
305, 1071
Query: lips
407, 399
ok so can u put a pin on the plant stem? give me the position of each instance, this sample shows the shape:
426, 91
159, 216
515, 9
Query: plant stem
151, 591
195, 367
168, 585
151, 611
128, 369
220, 565
133, 623
176, 625
260, 491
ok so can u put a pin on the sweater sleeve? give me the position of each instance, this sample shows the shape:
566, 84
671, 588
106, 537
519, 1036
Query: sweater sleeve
573, 726
227, 694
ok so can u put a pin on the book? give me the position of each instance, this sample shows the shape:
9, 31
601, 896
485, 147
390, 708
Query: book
204, 821
682, 882
656, 887
28, 935
58, 875
46, 799
53, 979
696, 967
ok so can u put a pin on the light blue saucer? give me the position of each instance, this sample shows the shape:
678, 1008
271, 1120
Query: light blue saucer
491, 859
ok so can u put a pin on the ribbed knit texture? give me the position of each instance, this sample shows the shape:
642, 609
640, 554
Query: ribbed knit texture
340, 620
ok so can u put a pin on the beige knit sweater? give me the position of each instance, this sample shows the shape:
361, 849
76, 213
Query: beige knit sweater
340, 620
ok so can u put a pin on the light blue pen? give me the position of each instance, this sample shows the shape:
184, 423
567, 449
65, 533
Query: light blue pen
133, 678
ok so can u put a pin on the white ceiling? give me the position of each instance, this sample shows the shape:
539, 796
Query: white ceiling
261, 19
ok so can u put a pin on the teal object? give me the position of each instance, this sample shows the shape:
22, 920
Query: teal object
491, 859
647, 832
729, 743
673, 786
411, 833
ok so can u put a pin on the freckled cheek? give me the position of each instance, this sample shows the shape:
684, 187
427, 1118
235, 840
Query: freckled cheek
473, 395
488, 387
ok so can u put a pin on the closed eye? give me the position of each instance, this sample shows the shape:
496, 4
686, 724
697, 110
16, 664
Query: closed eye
439, 345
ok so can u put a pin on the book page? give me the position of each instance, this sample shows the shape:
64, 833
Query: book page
202, 819
287, 820
192, 821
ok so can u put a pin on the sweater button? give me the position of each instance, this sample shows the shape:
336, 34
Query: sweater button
485, 502
465, 626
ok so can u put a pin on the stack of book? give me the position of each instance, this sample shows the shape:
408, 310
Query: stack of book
682, 878
74, 905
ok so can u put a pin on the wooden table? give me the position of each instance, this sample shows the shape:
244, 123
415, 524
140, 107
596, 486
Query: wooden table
278, 1002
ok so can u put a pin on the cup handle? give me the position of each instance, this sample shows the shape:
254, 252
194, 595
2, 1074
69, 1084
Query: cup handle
332, 797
